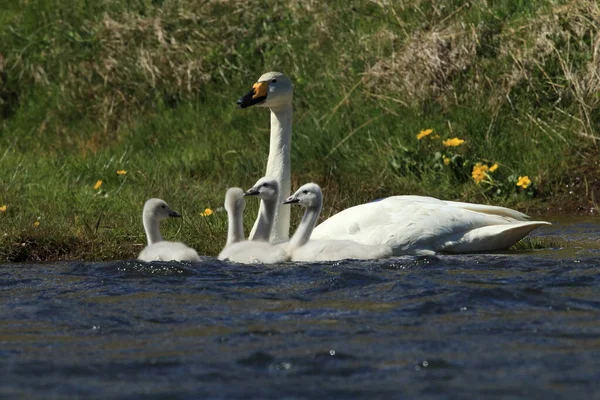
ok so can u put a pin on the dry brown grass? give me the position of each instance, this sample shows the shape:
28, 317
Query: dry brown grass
425, 64
433, 62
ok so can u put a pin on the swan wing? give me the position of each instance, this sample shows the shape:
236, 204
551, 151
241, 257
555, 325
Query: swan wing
489, 238
492, 210
481, 208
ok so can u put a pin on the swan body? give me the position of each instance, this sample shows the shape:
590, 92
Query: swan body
258, 250
155, 210
425, 225
408, 224
301, 248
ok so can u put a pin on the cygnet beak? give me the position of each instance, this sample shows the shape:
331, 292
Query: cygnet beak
251, 192
291, 200
174, 214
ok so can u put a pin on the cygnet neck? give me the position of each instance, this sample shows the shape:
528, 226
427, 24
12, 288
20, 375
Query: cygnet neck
304, 230
235, 228
265, 220
151, 226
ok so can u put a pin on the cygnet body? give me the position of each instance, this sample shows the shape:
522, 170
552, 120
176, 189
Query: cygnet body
258, 250
300, 248
155, 210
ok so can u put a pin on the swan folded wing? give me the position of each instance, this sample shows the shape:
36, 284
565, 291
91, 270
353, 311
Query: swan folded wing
168, 251
481, 208
424, 226
488, 238
491, 210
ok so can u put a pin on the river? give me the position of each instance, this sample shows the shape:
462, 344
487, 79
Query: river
503, 325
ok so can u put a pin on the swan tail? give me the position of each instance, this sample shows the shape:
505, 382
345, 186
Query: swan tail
490, 238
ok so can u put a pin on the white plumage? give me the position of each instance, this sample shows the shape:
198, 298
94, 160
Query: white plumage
155, 210
259, 250
168, 251
408, 224
424, 225
300, 248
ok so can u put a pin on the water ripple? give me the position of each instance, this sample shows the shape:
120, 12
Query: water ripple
482, 325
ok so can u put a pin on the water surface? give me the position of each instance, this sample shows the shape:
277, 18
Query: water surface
479, 326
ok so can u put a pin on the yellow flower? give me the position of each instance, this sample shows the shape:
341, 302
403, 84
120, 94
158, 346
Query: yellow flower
479, 172
36, 224
3, 208
524, 182
493, 167
121, 172
97, 185
446, 160
207, 212
424, 133
453, 142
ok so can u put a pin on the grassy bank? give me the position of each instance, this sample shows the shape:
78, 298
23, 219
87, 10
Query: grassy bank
149, 87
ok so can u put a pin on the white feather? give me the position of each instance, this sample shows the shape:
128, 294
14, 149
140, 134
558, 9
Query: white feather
301, 248
252, 251
155, 210
423, 225
409, 224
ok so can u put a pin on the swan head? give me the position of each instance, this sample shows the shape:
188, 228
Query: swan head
158, 210
234, 200
309, 196
272, 90
266, 188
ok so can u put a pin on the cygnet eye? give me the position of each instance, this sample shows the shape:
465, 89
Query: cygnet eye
305, 191
163, 206
274, 80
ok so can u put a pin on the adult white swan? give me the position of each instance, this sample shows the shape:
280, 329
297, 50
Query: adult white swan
258, 250
302, 249
155, 210
275, 90
409, 224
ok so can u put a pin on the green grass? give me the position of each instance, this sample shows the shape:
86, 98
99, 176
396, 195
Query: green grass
89, 88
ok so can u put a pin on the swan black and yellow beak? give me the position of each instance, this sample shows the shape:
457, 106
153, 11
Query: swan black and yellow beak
291, 200
257, 95
174, 214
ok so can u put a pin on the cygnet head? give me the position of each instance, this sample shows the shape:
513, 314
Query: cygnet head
309, 196
234, 200
266, 188
158, 210
272, 90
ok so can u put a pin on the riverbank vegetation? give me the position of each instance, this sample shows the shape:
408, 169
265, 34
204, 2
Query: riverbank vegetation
105, 104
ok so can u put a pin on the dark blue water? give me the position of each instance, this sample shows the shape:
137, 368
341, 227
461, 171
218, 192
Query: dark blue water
470, 326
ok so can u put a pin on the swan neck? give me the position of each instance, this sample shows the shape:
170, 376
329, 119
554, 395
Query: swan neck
235, 227
264, 224
152, 229
279, 167
304, 230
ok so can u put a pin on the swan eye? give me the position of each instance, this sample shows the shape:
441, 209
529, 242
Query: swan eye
274, 80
